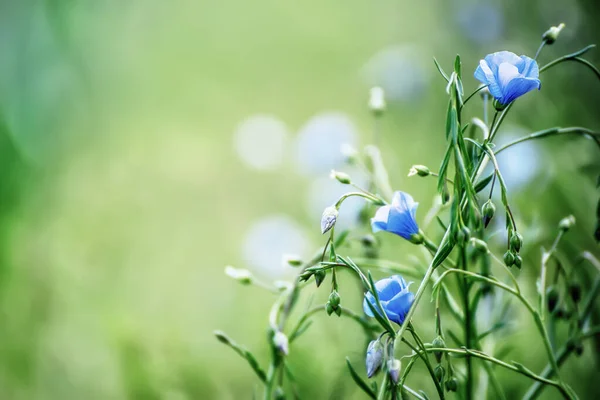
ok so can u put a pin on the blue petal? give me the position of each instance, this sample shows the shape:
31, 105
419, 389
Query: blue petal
400, 280
495, 59
518, 87
402, 223
486, 75
400, 304
528, 67
387, 288
379, 221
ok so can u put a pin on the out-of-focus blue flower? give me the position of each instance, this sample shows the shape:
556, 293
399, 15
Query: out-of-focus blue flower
398, 218
394, 296
508, 76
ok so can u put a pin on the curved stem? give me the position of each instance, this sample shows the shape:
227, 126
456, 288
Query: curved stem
551, 132
423, 356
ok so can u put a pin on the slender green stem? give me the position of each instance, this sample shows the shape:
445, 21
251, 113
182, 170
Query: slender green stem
468, 328
575, 130
423, 356
383, 388
539, 50
473, 94
544, 267
371, 197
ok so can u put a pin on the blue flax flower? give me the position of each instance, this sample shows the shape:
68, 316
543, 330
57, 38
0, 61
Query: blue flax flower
398, 218
394, 296
508, 76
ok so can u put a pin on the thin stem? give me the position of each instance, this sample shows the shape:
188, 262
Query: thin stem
423, 356
468, 328
544, 264
537, 53
473, 94
575, 130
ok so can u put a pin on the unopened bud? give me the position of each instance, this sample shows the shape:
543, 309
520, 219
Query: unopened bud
516, 242
420, 170
518, 261
349, 152
243, 276
552, 298
319, 277
328, 219
479, 245
377, 100
487, 210
575, 291
341, 177
333, 304
291, 260
222, 337
551, 34
281, 343
452, 385
438, 343
566, 223
439, 372
509, 258
279, 393
394, 367
374, 357
368, 240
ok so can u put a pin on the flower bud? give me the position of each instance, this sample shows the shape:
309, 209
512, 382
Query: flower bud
551, 34
222, 337
452, 385
487, 210
349, 152
328, 218
334, 298
438, 342
291, 260
439, 372
368, 240
516, 242
420, 170
243, 276
575, 291
319, 277
279, 394
518, 261
394, 366
374, 357
341, 177
479, 245
552, 298
377, 100
509, 258
280, 342
566, 223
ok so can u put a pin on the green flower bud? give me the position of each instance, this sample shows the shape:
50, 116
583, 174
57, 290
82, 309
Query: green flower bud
394, 367
566, 223
518, 261
319, 277
487, 210
439, 372
420, 170
438, 342
551, 34
479, 245
368, 241
341, 177
516, 242
329, 308
328, 219
575, 291
509, 258
377, 100
291, 260
552, 298
279, 394
243, 276
452, 385
333, 304
222, 337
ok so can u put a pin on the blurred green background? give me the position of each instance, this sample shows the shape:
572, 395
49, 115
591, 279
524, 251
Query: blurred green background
146, 144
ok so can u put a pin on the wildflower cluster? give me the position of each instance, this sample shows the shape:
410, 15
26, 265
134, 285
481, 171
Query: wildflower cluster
465, 212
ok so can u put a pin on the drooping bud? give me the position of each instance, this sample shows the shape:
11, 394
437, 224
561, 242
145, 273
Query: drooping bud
292, 260
394, 366
438, 343
452, 385
328, 219
222, 337
516, 242
333, 304
509, 258
439, 372
479, 245
566, 223
377, 100
281, 343
552, 298
551, 34
575, 291
374, 357
341, 177
518, 261
487, 210
243, 276
420, 170
319, 277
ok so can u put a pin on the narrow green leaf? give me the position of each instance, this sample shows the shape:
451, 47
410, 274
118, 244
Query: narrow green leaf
444, 170
444, 251
479, 186
223, 338
457, 66
359, 381
440, 70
